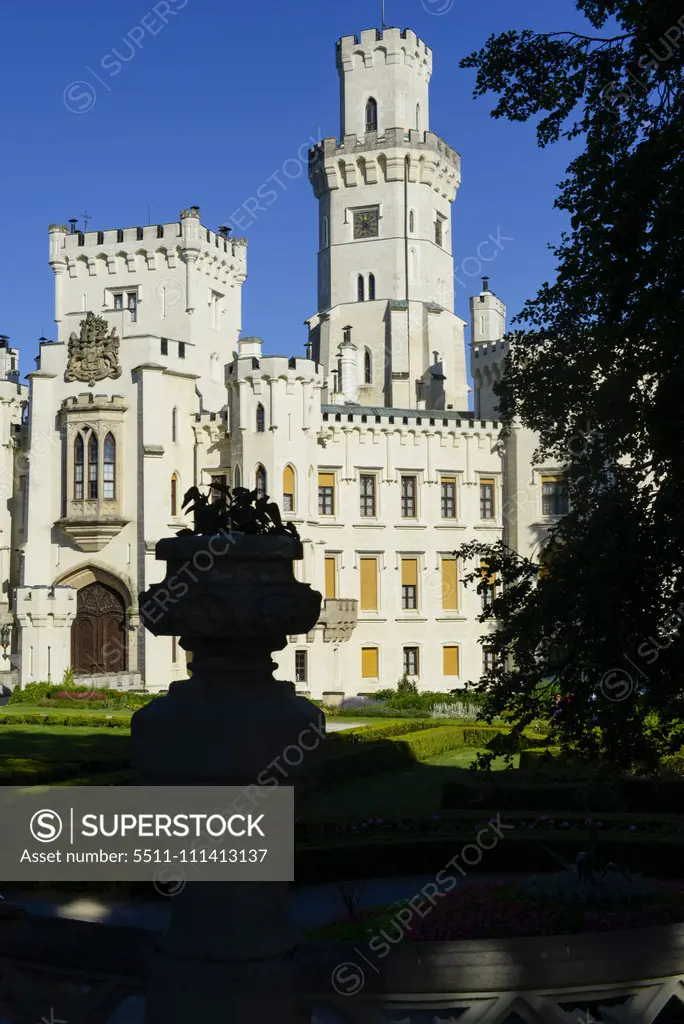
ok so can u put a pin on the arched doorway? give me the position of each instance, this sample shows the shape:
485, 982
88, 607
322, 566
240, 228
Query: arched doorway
99, 635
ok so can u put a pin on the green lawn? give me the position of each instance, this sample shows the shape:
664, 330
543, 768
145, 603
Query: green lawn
60, 743
414, 790
464, 757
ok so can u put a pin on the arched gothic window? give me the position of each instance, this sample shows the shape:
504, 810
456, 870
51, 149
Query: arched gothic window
261, 482
79, 460
360, 288
109, 468
174, 425
260, 419
174, 495
237, 477
412, 222
288, 489
367, 368
371, 115
417, 117
371, 287
93, 468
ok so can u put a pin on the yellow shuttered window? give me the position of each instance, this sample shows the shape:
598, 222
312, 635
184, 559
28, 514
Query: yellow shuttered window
409, 572
450, 657
409, 584
288, 489
449, 584
369, 584
369, 663
330, 578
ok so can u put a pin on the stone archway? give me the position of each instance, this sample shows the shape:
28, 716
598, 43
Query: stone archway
99, 634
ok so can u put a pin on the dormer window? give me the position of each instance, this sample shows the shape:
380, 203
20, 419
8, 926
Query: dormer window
371, 115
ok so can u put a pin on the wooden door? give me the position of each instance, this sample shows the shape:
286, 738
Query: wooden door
99, 635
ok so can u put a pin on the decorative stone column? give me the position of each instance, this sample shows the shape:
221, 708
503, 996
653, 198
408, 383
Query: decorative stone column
233, 599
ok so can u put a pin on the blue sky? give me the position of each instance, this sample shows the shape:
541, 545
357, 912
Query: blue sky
213, 101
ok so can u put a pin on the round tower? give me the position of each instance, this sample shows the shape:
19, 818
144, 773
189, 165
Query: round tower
385, 191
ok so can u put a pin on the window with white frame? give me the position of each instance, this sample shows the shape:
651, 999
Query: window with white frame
367, 496
448, 497
127, 300
554, 495
409, 504
301, 666
411, 661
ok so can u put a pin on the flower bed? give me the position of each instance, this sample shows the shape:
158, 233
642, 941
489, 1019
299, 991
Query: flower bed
497, 910
74, 720
59, 695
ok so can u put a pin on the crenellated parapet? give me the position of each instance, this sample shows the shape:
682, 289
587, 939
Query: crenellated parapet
373, 159
154, 247
376, 47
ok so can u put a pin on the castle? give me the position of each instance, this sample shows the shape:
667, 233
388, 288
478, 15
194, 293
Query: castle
368, 445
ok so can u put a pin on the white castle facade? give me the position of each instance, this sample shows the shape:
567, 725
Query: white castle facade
368, 445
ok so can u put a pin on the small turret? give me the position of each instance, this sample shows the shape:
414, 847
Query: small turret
9, 360
488, 350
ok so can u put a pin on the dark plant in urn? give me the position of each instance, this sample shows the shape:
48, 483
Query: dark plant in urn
231, 595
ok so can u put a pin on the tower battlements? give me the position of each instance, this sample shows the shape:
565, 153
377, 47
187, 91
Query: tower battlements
371, 159
388, 46
293, 370
391, 138
188, 233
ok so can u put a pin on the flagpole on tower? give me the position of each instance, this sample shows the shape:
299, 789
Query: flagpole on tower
383, 15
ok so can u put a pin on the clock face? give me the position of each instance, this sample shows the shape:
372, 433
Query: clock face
366, 223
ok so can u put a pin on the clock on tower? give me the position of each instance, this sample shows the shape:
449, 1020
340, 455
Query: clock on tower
366, 222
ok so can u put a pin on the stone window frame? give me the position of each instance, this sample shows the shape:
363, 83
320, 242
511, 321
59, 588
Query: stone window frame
102, 418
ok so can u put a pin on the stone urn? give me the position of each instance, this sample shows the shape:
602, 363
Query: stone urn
232, 599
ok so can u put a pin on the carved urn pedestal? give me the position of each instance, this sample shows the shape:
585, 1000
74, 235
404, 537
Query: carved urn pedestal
232, 599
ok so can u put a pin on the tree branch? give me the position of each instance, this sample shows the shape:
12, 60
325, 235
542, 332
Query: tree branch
588, 39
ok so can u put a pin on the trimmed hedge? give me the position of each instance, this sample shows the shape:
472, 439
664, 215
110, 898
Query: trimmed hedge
357, 757
90, 721
379, 731
515, 852
626, 794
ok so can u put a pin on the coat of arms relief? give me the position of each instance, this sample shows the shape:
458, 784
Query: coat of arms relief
93, 354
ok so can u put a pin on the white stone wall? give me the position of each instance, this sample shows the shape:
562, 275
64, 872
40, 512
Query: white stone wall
465, 450
187, 284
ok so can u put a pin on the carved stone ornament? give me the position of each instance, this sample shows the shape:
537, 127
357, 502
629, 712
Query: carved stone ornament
93, 355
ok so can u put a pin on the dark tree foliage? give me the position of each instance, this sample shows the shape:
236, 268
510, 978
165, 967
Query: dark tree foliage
597, 370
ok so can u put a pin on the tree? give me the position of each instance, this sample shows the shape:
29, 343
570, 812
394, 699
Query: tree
596, 368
